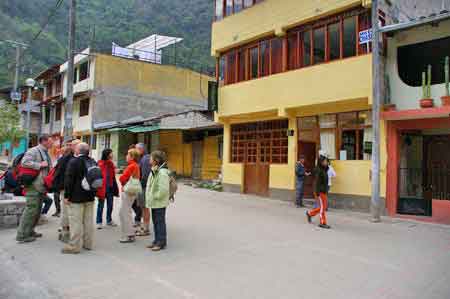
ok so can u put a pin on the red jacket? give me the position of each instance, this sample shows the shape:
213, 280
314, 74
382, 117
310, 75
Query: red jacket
106, 167
131, 170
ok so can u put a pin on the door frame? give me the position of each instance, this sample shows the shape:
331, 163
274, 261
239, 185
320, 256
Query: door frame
394, 130
260, 166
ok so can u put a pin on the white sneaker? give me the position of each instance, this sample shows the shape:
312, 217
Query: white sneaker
99, 226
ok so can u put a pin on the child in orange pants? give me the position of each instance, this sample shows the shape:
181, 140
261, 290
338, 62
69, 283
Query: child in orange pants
321, 210
321, 188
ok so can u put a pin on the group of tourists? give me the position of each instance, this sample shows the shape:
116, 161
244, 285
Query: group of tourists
323, 173
76, 180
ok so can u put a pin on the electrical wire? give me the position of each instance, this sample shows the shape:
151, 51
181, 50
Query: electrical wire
47, 21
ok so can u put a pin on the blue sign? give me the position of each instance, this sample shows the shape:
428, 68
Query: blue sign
365, 36
15, 96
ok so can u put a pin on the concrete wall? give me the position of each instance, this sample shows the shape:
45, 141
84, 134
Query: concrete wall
211, 164
128, 89
404, 96
171, 142
11, 210
270, 17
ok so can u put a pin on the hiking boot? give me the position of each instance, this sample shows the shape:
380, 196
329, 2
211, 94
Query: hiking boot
25, 240
64, 237
308, 217
36, 235
150, 246
69, 250
129, 239
143, 232
158, 247
112, 224
43, 220
326, 226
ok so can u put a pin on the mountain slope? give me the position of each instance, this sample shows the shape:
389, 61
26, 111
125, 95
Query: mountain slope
123, 22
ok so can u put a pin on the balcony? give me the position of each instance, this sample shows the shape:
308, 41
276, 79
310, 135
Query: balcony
293, 91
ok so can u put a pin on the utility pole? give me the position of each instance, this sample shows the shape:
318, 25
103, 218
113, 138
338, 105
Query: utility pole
17, 73
68, 128
376, 99
19, 47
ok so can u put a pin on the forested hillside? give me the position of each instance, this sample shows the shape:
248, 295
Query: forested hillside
120, 21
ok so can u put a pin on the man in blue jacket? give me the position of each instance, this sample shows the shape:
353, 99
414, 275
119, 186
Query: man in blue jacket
300, 173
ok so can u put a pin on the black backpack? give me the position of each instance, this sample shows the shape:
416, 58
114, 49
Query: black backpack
93, 178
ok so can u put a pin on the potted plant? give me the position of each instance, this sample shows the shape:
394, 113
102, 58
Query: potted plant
446, 99
426, 101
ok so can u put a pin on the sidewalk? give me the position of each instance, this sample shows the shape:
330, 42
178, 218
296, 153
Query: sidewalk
224, 245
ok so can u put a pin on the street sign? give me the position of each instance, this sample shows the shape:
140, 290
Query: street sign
15, 96
365, 36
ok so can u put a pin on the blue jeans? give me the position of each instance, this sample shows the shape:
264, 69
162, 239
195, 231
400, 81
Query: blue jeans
159, 226
47, 204
109, 208
299, 193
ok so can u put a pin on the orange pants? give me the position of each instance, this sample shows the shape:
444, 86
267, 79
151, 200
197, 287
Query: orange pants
321, 208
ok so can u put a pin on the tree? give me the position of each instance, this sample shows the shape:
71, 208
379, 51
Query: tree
10, 130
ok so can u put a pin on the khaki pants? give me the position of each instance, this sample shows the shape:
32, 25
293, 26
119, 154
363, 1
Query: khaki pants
81, 220
126, 215
65, 212
31, 214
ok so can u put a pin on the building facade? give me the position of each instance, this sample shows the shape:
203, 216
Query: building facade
418, 135
295, 79
113, 91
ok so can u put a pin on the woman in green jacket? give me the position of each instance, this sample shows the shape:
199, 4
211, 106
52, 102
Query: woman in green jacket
157, 198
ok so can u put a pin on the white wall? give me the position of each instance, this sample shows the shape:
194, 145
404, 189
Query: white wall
404, 96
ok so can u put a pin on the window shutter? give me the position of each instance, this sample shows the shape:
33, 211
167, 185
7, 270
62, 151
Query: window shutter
213, 96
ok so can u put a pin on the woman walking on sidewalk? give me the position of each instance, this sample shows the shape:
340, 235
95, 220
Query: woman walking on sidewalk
129, 176
108, 190
157, 198
320, 189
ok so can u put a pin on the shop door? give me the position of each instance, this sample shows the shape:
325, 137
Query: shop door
308, 149
197, 156
437, 159
256, 171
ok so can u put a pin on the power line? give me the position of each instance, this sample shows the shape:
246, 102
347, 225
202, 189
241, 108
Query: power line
47, 21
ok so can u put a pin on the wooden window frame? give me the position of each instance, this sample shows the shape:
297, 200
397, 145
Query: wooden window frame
58, 111
83, 113
338, 132
260, 142
224, 2
301, 32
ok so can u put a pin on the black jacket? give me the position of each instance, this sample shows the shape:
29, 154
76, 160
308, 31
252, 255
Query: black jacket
321, 183
75, 172
60, 171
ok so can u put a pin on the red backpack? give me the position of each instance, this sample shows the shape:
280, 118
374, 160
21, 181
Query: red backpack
26, 176
48, 180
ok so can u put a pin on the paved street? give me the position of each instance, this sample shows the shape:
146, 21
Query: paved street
233, 246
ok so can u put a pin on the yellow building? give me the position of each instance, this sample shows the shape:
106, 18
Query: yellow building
294, 80
192, 141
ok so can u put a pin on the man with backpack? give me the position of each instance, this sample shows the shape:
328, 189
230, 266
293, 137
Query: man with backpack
58, 185
34, 167
82, 178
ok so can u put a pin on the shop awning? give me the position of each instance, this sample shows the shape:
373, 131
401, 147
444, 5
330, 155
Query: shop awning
136, 129
143, 129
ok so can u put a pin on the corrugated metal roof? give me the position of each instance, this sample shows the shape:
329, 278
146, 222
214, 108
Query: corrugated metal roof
423, 20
